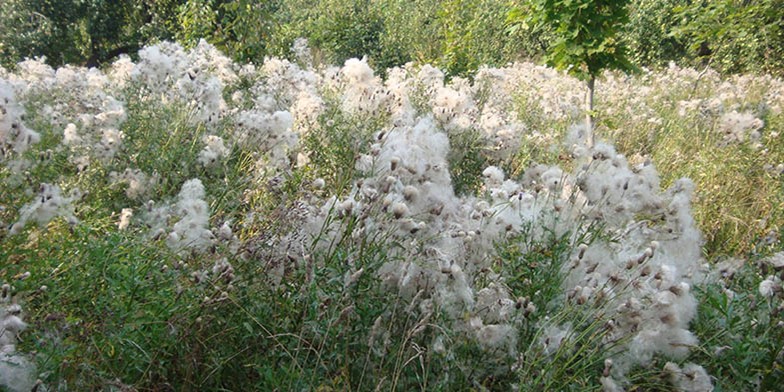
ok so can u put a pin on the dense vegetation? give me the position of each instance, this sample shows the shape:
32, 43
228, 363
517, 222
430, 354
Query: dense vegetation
260, 211
457, 36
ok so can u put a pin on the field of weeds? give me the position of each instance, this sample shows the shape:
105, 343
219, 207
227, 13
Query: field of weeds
184, 222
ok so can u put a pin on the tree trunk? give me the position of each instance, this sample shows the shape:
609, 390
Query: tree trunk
589, 138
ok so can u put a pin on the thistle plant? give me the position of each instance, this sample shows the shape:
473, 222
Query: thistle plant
183, 221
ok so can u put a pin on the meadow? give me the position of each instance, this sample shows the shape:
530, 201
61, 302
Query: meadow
186, 222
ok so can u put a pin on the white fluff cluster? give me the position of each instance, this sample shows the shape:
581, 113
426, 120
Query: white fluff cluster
551, 92
120, 71
632, 104
739, 127
776, 261
156, 218
610, 385
306, 110
16, 372
445, 243
125, 218
615, 190
82, 102
485, 105
301, 51
192, 231
280, 84
732, 105
138, 184
195, 78
498, 119
15, 137
283, 104
642, 279
214, 151
47, 205
11, 323
553, 336
452, 105
454, 108
363, 93
690, 378
772, 285
267, 132
444, 258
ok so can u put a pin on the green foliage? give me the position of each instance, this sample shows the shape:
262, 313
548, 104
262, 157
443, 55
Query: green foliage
473, 33
49, 31
108, 299
458, 36
586, 39
452, 16
407, 23
467, 160
734, 35
741, 335
739, 199
80, 32
336, 144
197, 18
339, 30
347, 29
648, 32
241, 28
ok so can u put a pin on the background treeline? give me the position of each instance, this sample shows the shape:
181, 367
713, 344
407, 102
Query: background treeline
456, 35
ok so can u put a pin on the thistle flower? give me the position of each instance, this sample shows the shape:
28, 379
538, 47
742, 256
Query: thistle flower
553, 337
410, 192
214, 150
610, 385
770, 286
690, 378
738, 127
399, 210
49, 204
494, 176
225, 233
191, 231
125, 218
16, 372
70, 135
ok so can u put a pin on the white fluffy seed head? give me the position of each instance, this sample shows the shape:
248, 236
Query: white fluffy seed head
399, 209
410, 192
14, 324
393, 163
347, 206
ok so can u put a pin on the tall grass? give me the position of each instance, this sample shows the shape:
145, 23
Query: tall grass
366, 245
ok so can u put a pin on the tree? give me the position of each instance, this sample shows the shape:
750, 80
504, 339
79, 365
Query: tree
240, 28
649, 33
584, 39
86, 32
734, 35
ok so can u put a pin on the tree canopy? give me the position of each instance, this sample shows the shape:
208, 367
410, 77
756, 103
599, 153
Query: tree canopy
582, 36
